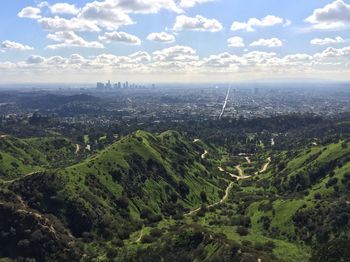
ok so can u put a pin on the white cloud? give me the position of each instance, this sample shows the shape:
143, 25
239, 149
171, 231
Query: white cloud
287, 23
175, 53
327, 41
198, 23
146, 6
272, 42
252, 23
331, 16
43, 4
61, 24
9, 45
235, 42
121, 37
30, 12
161, 37
192, 3
223, 60
104, 16
138, 6
70, 39
64, 8
34, 59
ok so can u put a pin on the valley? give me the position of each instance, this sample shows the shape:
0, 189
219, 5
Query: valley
163, 188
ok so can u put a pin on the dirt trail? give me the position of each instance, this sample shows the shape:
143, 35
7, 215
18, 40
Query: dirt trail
240, 172
204, 155
264, 168
227, 190
140, 237
77, 148
3, 136
241, 176
19, 178
248, 160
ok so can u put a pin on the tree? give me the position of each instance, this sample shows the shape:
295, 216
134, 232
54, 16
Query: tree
203, 196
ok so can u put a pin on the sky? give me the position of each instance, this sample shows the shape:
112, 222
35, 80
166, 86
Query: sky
85, 41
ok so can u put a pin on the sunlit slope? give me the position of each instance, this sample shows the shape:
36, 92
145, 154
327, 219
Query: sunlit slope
20, 157
142, 176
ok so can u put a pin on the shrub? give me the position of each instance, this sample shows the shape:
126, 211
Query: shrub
242, 231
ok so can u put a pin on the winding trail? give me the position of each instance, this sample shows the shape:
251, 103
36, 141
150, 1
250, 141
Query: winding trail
264, 168
227, 190
204, 155
140, 236
3, 136
241, 176
77, 148
19, 178
248, 160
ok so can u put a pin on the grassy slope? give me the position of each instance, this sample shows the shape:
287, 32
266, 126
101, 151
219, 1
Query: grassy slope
285, 207
18, 158
22, 156
116, 173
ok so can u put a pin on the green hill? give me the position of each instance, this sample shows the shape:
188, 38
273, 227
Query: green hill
157, 198
140, 180
19, 157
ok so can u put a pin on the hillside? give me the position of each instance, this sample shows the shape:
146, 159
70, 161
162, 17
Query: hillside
161, 197
139, 180
19, 157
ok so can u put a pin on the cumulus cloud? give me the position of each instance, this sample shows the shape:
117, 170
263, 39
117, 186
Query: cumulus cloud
327, 41
252, 23
104, 16
192, 3
121, 37
138, 6
175, 53
64, 8
272, 42
235, 42
61, 24
223, 60
30, 12
70, 39
9, 45
162, 37
183, 60
34, 59
198, 23
331, 16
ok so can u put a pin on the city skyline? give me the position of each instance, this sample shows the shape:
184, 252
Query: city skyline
174, 41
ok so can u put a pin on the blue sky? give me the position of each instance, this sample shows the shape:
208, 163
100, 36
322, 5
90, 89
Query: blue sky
160, 40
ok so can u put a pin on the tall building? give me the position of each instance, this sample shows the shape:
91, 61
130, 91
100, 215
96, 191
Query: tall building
109, 85
100, 85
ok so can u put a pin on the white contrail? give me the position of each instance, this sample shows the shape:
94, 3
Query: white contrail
225, 103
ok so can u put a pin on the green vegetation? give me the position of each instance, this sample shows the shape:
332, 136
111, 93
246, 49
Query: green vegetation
155, 197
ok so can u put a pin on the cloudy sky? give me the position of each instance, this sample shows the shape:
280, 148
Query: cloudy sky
173, 40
